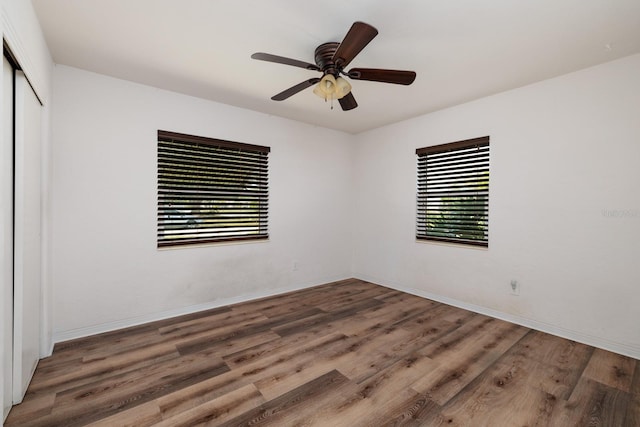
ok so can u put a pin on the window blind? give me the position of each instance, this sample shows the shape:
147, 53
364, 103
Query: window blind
453, 192
210, 190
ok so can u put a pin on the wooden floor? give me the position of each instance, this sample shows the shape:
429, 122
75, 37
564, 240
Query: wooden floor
343, 354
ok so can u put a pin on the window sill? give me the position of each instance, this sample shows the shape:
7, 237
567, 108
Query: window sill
452, 244
209, 244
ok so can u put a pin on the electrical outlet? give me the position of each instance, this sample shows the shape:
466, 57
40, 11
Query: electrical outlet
515, 287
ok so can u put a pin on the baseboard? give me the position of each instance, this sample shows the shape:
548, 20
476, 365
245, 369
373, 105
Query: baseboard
139, 320
599, 342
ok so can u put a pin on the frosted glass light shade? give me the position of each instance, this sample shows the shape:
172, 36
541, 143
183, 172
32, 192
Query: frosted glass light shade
328, 85
318, 92
342, 88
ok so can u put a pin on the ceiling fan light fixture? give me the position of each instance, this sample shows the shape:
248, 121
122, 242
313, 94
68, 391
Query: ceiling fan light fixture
332, 88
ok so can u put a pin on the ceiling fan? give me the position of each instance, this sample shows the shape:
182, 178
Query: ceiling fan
331, 60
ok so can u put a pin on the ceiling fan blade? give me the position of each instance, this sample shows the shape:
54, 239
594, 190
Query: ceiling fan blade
356, 39
295, 89
282, 60
385, 76
348, 102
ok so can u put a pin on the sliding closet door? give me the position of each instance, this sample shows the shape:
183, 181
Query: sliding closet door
27, 237
6, 235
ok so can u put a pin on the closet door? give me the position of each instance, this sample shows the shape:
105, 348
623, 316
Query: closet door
6, 235
27, 236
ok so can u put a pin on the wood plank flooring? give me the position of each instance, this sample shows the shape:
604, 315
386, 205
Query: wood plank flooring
348, 353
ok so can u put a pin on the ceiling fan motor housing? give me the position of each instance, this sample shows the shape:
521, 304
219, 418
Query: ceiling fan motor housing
324, 58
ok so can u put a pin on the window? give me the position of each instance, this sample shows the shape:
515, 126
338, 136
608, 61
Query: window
453, 192
210, 190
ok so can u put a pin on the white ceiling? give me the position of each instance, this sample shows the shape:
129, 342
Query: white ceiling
461, 49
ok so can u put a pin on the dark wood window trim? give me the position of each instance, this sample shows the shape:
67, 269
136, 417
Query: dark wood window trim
210, 190
453, 192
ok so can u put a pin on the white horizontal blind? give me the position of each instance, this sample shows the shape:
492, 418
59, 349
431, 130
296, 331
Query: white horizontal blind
210, 190
453, 192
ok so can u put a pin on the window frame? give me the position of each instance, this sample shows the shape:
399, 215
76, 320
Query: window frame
227, 155
472, 178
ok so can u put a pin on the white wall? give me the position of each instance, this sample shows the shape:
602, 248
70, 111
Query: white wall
563, 151
108, 272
